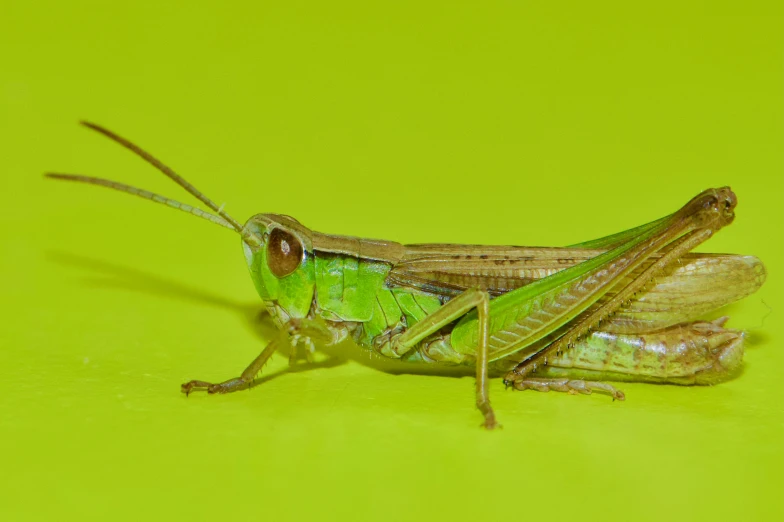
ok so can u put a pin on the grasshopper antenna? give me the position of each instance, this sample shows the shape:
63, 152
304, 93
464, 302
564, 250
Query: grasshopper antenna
158, 164
142, 194
224, 218
149, 158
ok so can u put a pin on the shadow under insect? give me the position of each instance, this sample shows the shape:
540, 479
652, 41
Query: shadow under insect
111, 276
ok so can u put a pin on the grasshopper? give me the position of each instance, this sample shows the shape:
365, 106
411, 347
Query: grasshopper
621, 308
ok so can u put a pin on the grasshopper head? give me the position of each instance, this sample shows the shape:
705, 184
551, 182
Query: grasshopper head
281, 264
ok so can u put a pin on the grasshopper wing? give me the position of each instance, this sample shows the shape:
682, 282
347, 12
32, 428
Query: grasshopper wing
695, 285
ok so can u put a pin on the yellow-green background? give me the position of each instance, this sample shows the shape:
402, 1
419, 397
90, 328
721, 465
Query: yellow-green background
475, 122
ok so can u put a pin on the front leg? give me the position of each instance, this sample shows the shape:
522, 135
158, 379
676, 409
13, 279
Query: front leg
450, 312
236, 383
300, 331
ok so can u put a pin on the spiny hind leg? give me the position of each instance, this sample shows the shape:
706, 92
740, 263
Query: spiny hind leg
588, 321
237, 383
564, 384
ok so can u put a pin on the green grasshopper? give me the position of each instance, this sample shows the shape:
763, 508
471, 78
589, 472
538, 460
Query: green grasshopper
622, 308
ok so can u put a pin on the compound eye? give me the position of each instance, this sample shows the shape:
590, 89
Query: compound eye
284, 253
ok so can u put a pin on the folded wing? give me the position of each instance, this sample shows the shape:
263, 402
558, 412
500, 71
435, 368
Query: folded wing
690, 288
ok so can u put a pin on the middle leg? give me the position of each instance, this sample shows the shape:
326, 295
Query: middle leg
451, 311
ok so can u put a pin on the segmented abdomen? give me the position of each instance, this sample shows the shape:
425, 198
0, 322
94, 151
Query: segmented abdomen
696, 353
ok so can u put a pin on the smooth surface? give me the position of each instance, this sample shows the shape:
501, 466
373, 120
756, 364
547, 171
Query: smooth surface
503, 123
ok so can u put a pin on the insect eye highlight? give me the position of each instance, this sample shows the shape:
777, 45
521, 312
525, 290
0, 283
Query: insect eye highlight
284, 253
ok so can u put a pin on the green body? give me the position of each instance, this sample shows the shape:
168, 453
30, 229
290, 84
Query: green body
356, 287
